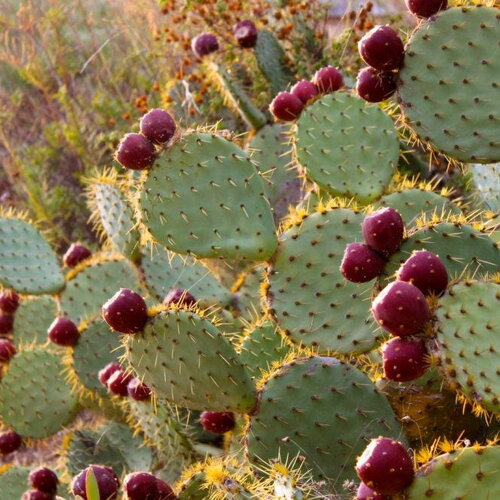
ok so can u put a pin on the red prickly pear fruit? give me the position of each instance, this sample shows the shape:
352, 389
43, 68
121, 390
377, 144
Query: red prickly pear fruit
385, 466
165, 491
105, 374
140, 486
382, 49
158, 126
383, 230
286, 107
179, 297
107, 482
328, 80
7, 350
401, 309
204, 44
125, 312
118, 382
63, 331
365, 493
219, 422
136, 152
137, 390
426, 271
245, 33
426, 8
44, 479
404, 360
360, 263
75, 254
37, 495
10, 441
9, 301
375, 86
6, 323
304, 90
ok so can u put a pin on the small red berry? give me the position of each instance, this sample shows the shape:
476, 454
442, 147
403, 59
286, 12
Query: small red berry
137, 390
204, 44
63, 332
44, 479
180, 297
382, 48
304, 90
361, 264
7, 350
136, 152
118, 382
125, 312
404, 360
246, 34
375, 86
328, 80
106, 372
75, 254
107, 482
383, 230
6, 323
10, 441
286, 107
219, 422
426, 8
9, 301
158, 126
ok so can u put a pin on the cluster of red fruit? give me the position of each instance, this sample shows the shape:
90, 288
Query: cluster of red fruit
43, 483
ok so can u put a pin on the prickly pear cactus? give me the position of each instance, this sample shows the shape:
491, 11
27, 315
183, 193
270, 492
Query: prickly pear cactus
211, 204
449, 83
13, 481
27, 262
487, 181
348, 147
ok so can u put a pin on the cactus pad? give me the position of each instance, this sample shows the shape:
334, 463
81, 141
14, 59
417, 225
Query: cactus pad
449, 83
348, 147
311, 300
35, 398
465, 473
96, 347
468, 346
13, 481
322, 410
164, 270
32, 320
204, 197
247, 292
487, 181
27, 262
186, 359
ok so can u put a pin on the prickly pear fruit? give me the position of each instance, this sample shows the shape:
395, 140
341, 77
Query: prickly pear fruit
385, 466
426, 8
218, 422
125, 312
136, 152
137, 390
304, 90
63, 331
204, 44
118, 383
10, 441
7, 350
165, 491
383, 230
44, 479
404, 360
286, 106
179, 297
6, 323
105, 374
365, 493
9, 301
382, 49
158, 126
246, 34
107, 482
426, 271
37, 495
75, 254
145, 486
375, 86
401, 309
360, 263
328, 79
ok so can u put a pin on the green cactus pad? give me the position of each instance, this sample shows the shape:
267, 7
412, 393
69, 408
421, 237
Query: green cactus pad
194, 487
13, 481
307, 294
35, 398
461, 248
32, 320
164, 270
348, 147
186, 359
27, 262
271, 61
487, 181
204, 197
449, 83
323, 410
413, 203
468, 345
97, 346
465, 473
114, 213
261, 347
92, 285
247, 292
